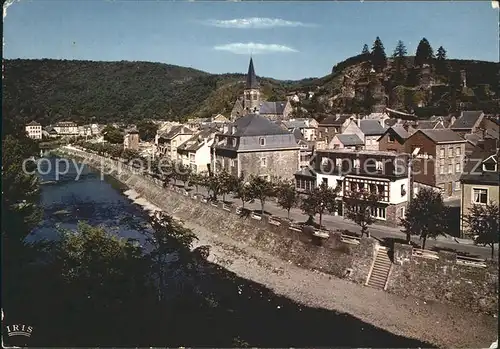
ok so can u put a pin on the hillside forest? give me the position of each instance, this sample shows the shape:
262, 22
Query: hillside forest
426, 82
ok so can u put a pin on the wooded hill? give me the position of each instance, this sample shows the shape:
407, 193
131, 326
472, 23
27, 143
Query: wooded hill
49, 90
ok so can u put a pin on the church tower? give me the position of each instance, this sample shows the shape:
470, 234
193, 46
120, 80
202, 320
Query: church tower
252, 92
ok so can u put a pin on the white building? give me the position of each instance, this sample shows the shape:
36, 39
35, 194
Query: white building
34, 130
384, 173
196, 151
66, 128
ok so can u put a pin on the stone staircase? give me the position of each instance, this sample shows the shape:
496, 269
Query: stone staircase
379, 273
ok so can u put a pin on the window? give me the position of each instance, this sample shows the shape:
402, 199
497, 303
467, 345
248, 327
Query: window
479, 196
391, 139
458, 167
441, 169
338, 162
380, 188
378, 165
336, 129
324, 161
402, 212
450, 168
232, 163
381, 213
254, 97
458, 186
262, 141
450, 152
324, 181
441, 153
263, 162
458, 151
361, 186
356, 163
234, 142
403, 190
373, 188
339, 183
353, 186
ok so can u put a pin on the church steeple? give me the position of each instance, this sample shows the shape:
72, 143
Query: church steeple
251, 78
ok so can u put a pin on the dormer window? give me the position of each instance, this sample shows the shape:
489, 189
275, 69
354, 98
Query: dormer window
262, 141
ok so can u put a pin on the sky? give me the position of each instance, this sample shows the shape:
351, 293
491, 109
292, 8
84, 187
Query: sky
287, 40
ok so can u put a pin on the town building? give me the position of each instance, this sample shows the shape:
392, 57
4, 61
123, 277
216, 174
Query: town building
305, 180
332, 125
479, 183
306, 148
34, 130
66, 128
254, 145
167, 142
384, 173
440, 159
131, 139
307, 126
394, 139
468, 122
251, 102
196, 151
366, 131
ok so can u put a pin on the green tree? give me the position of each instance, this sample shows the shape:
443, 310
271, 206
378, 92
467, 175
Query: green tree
169, 238
320, 200
227, 183
441, 65
378, 56
358, 207
196, 179
426, 216
424, 54
399, 55
128, 154
482, 223
147, 130
242, 191
366, 50
287, 196
112, 135
183, 173
261, 189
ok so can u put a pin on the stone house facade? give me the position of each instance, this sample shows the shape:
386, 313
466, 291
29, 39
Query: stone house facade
253, 145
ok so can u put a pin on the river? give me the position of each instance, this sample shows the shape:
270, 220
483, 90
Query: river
70, 199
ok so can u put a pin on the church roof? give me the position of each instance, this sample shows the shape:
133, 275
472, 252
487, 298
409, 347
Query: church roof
275, 108
251, 77
256, 125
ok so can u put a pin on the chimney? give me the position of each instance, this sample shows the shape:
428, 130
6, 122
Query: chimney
358, 121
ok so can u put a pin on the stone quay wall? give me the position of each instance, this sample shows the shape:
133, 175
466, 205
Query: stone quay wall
441, 276
428, 275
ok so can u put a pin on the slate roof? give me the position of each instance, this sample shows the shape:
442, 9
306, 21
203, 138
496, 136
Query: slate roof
33, 123
390, 122
444, 135
256, 125
298, 135
371, 127
473, 138
174, 131
467, 119
196, 142
251, 77
350, 140
428, 125
335, 120
306, 172
474, 174
401, 131
272, 107
296, 123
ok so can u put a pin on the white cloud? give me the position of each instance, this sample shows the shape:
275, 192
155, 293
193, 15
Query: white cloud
254, 48
255, 23
6, 5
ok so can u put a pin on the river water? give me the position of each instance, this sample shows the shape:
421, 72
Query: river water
71, 198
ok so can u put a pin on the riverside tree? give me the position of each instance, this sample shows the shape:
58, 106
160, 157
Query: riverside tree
378, 56
261, 189
287, 196
359, 207
320, 200
424, 54
242, 191
482, 223
426, 216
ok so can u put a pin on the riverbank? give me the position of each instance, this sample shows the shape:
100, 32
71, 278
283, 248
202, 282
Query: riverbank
439, 324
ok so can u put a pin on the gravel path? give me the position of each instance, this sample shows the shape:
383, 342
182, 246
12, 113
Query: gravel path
443, 325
